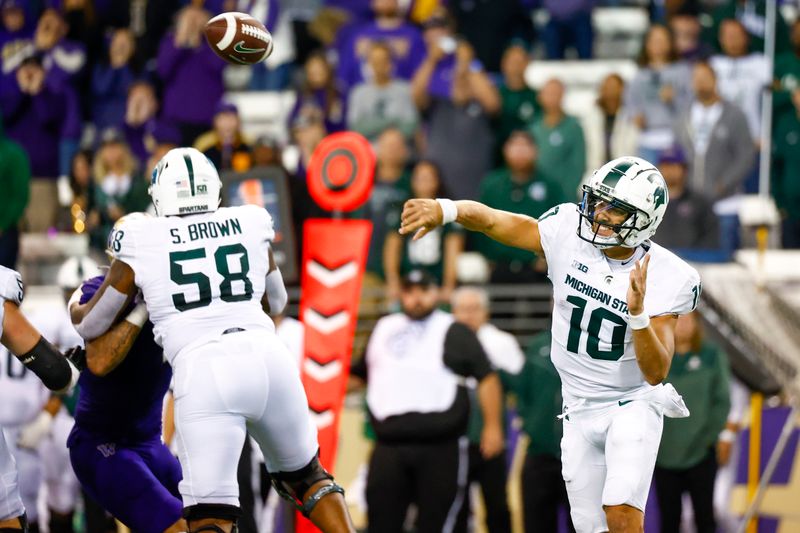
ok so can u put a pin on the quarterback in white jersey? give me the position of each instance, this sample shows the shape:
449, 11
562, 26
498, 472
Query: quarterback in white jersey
207, 276
617, 296
40, 358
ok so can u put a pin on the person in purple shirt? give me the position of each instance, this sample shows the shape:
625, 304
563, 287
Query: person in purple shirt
111, 79
115, 446
389, 26
140, 112
41, 112
320, 94
191, 73
63, 59
16, 28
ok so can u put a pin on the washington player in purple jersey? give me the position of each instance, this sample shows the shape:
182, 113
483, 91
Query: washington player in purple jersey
115, 446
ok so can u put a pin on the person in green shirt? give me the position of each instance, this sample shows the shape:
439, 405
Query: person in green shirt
436, 253
518, 102
521, 187
752, 14
15, 176
539, 403
562, 150
687, 457
786, 76
786, 169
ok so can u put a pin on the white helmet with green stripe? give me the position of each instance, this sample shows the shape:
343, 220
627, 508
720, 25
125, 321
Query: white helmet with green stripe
626, 184
185, 182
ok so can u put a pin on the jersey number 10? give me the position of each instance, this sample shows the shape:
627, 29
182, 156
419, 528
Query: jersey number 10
202, 281
596, 319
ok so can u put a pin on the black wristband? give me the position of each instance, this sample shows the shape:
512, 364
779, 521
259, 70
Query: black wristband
48, 363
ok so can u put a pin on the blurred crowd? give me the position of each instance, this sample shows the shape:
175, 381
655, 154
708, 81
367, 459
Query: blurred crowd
92, 93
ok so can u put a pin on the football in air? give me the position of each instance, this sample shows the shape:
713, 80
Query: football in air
238, 38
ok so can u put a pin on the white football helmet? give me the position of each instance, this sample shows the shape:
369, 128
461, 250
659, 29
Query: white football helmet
629, 184
74, 271
185, 182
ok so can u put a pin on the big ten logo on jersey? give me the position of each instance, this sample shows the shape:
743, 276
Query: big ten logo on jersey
580, 266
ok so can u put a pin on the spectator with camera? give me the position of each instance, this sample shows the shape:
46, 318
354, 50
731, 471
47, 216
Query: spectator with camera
457, 100
186, 63
111, 79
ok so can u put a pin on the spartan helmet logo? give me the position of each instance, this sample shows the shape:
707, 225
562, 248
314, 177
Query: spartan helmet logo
659, 197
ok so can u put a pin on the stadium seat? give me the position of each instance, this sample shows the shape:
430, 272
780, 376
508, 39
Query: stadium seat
578, 74
264, 113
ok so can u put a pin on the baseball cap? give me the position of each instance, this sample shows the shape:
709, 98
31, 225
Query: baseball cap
418, 277
226, 107
673, 154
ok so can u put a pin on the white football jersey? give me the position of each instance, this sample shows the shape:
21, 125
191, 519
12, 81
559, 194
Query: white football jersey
199, 274
592, 346
22, 394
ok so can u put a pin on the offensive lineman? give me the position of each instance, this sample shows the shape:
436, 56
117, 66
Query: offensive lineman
613, 332
40, 357
207, 274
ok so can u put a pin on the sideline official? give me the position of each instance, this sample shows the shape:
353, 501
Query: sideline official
414, 368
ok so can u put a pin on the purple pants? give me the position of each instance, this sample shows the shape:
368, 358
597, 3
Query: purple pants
136, 482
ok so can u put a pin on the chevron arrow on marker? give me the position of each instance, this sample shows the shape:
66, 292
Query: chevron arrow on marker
332, 277
326, 324
322, 373
323, 419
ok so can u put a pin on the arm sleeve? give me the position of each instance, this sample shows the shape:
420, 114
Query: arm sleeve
463, 353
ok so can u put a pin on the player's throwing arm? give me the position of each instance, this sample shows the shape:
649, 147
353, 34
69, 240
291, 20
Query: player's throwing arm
421, 216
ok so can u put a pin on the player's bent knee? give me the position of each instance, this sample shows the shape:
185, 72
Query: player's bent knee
293, 486
211, 511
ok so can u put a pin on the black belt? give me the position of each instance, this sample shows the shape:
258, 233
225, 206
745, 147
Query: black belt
233, 330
